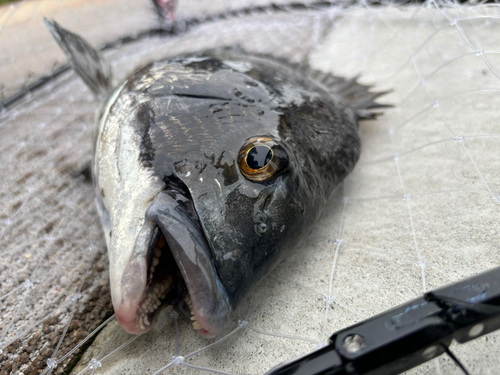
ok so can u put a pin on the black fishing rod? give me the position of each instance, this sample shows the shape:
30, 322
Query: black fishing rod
409, 335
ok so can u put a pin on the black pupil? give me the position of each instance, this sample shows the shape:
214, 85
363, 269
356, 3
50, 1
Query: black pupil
259, 156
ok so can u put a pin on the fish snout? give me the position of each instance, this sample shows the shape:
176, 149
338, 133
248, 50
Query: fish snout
127, 317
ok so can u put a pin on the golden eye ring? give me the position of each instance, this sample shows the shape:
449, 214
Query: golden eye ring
261, 159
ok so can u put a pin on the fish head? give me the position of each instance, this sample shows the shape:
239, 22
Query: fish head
207, 176
209, 169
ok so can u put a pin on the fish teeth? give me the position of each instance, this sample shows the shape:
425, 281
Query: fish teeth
158, 246
156, 257
169, 280
161, 242
195, 323
151, 272
152, 301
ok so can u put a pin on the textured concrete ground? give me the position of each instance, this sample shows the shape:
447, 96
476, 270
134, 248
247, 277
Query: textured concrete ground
419, 211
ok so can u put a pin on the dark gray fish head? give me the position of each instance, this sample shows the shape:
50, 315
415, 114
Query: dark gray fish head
209, 170
240, 153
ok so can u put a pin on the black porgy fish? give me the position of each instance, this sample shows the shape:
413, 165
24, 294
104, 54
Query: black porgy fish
209, 169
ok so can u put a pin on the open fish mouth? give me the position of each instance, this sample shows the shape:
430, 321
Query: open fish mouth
178, 271
165, 285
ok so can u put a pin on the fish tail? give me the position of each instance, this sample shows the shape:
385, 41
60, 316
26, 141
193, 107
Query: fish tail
85, 60
357, 95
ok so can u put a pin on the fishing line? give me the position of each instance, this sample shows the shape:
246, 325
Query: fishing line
455, 359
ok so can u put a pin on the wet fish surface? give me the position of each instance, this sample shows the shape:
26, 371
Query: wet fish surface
209, 169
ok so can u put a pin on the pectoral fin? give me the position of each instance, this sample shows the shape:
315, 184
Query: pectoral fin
85, 60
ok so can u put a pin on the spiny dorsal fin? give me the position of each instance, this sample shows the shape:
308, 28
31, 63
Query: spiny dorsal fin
357, 95
85, 60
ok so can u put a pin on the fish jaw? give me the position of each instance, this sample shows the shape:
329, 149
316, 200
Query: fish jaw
208, 301
128, 277
136, 304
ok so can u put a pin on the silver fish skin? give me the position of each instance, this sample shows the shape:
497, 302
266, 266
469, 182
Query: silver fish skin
209, 169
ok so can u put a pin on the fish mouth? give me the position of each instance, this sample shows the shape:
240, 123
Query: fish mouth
177, 271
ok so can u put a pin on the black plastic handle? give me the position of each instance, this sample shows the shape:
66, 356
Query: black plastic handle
410, 334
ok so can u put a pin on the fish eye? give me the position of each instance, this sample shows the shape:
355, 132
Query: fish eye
261, 159
258, 157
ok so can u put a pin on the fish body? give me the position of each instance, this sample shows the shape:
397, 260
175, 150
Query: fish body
209, 169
